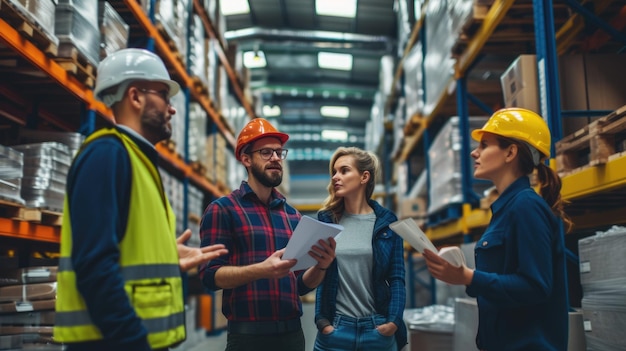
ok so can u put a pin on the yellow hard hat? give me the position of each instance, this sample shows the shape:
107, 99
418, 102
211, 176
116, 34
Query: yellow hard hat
256, 129
520, 124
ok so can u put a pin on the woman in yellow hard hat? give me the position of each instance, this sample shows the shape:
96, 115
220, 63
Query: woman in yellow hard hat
520, 280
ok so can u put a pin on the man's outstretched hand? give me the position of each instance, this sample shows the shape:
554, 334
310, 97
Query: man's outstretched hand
190, 257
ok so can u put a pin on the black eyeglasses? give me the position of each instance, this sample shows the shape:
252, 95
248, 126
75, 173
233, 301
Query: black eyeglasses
267, 153
164, 94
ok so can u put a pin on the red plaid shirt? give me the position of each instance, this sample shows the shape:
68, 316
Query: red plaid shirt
252, 231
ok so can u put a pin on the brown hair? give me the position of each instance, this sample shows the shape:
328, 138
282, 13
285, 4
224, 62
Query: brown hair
364, 161
549, 180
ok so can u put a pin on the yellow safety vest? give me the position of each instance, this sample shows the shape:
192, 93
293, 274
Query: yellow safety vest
148, 260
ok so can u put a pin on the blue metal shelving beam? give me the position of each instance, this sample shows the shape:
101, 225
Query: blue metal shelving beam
488, 110
547, 68
595, 20
548, 78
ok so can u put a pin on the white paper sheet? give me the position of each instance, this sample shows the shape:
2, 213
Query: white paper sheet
411, 233
306, 234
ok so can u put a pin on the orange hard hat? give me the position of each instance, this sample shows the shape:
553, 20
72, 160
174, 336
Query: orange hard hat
256, 129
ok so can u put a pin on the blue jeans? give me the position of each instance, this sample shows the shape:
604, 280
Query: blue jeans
353, 334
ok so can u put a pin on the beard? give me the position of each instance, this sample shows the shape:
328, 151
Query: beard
155, 123
269, 181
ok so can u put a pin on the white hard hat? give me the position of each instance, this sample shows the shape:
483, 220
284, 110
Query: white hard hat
127, 65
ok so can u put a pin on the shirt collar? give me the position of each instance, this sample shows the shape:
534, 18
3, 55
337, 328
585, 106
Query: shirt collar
518, 185
136, 135
275, 197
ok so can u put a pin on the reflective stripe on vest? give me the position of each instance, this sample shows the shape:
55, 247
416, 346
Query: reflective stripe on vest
148, 262
153, 325
153, 271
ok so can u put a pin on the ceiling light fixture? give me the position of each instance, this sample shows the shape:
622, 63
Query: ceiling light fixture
254, 59
271, 111
331, 60
335, 111
234, 7
337, 8
336, 135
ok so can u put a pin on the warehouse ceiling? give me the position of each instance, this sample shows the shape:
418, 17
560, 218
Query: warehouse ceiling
290, 35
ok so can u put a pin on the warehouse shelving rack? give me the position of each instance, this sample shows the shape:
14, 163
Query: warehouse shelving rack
577, 186
91, 109
580, 187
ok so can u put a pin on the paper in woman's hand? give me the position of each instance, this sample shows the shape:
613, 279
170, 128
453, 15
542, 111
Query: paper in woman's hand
411, 233
307, 233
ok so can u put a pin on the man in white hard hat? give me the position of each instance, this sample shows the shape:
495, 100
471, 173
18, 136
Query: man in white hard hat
119, 279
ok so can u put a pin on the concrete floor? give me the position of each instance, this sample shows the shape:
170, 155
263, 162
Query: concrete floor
218, 342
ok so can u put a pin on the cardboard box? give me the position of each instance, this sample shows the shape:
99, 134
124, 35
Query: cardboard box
413, 208
519, 84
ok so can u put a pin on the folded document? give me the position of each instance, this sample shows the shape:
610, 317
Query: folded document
411, 233
307, 233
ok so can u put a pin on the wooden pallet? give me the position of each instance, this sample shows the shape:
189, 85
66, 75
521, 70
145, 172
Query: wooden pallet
9, 208
592, 145
76, 64
198, 167
171, 43
26, 25
14, 210
170, 145
41, 215
194, 218
469, 28
199, 86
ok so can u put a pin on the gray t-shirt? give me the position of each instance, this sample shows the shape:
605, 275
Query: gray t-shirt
355, 261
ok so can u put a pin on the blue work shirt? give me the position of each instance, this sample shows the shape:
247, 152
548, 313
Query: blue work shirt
520, 280
98, 188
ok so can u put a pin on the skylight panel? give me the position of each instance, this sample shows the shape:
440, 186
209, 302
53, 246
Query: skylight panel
331, 60
234, 7
336, 8
336, 135
335, 111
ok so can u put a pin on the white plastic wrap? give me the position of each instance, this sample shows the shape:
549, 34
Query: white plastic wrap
40, 12
113, 30
11, 172
74, 30
445, 157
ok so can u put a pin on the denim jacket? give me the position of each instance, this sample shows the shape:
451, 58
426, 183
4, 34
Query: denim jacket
388, 273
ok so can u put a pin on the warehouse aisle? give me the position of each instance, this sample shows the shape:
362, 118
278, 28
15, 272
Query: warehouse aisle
218, 342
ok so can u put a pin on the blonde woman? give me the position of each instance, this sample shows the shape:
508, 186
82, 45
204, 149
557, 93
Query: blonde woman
360, 302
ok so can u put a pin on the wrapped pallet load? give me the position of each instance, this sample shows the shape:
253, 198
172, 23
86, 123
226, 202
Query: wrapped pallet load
603, 280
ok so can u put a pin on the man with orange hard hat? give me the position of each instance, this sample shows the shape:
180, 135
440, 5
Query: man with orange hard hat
261, 293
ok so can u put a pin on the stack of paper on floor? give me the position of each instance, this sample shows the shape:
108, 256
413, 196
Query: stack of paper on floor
409, 231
